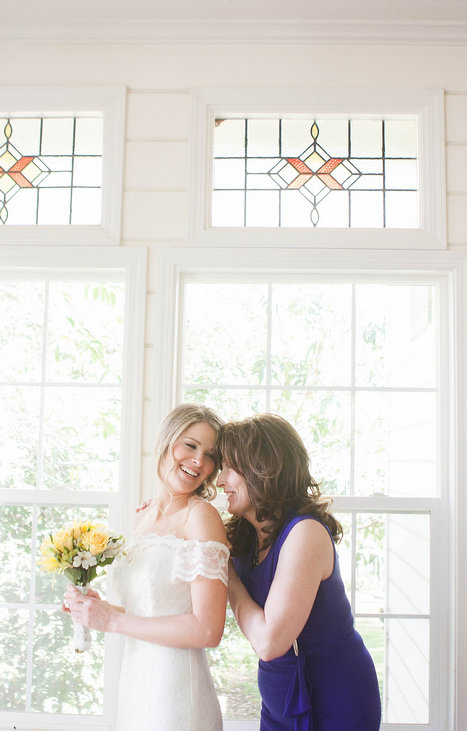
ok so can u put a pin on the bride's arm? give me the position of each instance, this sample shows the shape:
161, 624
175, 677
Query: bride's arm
203, 627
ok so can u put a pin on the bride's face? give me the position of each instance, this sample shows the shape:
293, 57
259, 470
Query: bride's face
192, 460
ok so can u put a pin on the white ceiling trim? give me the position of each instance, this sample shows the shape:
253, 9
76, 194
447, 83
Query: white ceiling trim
353, 32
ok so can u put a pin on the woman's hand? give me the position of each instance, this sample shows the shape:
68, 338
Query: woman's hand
70, 597
89, 609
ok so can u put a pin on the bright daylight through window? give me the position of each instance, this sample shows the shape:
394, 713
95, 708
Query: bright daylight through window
352, 363
61, 348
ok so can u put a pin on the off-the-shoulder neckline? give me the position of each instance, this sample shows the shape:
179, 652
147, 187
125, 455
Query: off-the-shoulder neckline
154, 534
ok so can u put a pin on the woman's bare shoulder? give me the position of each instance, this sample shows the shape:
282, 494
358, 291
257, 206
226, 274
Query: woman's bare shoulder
204, 522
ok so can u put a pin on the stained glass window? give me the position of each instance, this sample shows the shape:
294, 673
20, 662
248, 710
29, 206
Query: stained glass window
345, 173
51, 169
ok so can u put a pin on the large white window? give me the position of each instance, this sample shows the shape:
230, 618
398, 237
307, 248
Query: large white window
70, 394
358, 355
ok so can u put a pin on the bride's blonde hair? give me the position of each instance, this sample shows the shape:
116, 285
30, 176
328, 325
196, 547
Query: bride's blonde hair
174, 424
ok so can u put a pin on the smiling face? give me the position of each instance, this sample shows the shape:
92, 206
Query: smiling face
236, 491
192, 460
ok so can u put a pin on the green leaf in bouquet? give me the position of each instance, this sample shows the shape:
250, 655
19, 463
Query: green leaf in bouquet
75, 576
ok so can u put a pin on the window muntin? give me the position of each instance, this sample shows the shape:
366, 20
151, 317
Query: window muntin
51, 170
352, 364
60, 447
339, 173
370, 422
61, 348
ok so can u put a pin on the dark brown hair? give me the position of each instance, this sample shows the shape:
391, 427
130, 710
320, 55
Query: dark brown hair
270, 456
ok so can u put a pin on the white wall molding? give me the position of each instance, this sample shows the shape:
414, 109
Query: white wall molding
242, 31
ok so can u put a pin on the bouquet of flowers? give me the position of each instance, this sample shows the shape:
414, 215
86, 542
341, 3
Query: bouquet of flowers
78, 551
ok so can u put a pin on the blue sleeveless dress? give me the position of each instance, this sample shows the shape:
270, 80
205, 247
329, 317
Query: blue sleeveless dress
331, 684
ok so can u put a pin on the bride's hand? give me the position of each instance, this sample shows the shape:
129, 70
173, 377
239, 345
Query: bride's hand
72, 595
89, 609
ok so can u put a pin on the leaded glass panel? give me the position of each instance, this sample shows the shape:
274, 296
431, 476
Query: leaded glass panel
51, 170
358, 173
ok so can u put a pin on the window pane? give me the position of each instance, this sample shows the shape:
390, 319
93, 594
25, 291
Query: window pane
401, 174
225, 333
263, 140
400, 138
396, 335
262, 208
19, 436
407, 657
78, 689
81, 438
393, 563
13, 651
402, 209
395, 444
366, 138
85, 332
228, 208
400, 649
323, 421
229, 174
15, 549
311, 334
229, 138
21, 330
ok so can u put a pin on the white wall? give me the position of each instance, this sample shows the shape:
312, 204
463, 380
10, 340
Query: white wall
160, 79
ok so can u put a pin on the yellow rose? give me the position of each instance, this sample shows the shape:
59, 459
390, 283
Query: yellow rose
63, 540
98, 539
81, 532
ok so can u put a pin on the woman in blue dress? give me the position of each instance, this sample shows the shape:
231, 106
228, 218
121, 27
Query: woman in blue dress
285, 588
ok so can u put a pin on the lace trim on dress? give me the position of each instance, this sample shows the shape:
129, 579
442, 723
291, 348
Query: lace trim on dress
200, 558
192, 558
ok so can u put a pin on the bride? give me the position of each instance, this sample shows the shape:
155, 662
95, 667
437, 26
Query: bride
172, 585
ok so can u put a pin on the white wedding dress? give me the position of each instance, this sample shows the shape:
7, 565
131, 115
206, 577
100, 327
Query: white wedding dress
165, 688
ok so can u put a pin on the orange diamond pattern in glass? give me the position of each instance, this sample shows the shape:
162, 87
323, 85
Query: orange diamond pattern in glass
17, 171
311, 173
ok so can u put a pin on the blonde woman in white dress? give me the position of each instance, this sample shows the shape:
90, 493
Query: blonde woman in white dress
172, 586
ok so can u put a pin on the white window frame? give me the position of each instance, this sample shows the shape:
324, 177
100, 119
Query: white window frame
448, 676
104, 263
426, 105
109, 100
